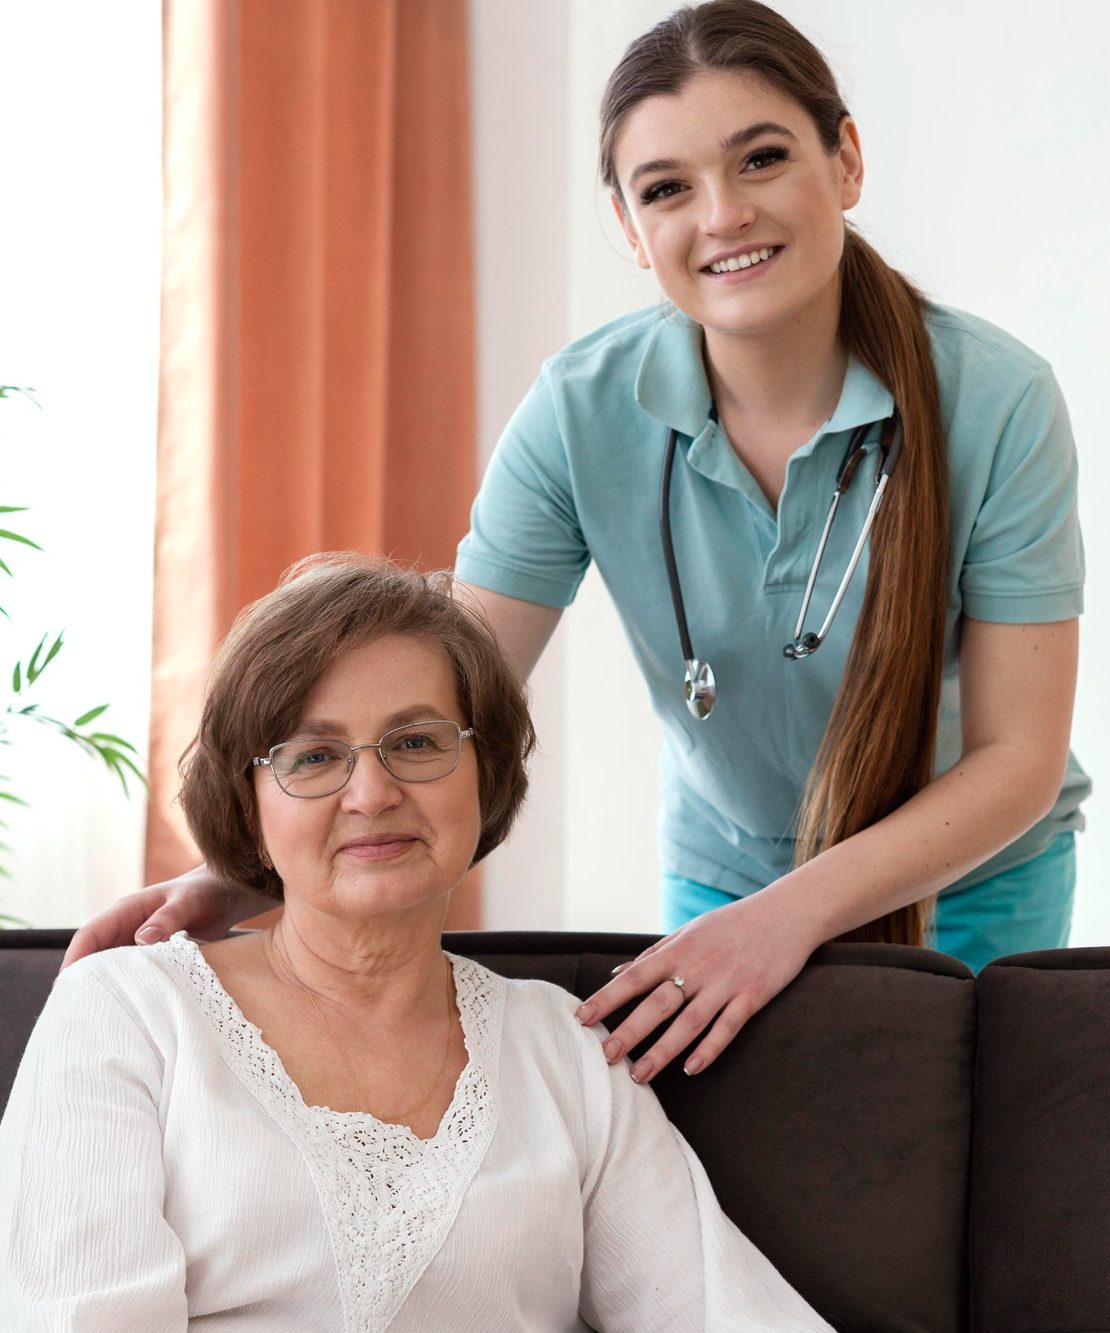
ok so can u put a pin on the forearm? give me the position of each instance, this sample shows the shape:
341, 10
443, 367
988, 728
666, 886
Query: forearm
980, 805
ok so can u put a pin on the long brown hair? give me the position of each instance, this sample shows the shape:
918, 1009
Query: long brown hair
878, 746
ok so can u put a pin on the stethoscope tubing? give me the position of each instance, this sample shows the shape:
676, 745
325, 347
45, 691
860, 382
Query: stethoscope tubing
700, 686
668, 548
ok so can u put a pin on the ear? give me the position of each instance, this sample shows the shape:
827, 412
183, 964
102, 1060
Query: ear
850, 158
629, 230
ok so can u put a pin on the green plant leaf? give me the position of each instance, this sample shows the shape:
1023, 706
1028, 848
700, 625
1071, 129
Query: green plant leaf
17, 679
6, 391
32, 665
55, 649
86, 718
35, 668
13, 509
113, 740
15, 800
15, 537
5, 568
121, 766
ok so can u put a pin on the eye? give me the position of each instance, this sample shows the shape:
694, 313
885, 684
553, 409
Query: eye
316, 754
660, 190
415, 743
763, 158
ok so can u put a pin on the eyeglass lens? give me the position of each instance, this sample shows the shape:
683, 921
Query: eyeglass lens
418, 753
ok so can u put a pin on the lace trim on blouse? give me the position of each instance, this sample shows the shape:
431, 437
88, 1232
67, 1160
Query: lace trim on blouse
389, 1198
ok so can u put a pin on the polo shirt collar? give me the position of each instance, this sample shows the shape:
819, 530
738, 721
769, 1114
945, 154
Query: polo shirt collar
863, 399
671, 384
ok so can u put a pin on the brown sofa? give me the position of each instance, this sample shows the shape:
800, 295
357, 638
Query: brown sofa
917, 1150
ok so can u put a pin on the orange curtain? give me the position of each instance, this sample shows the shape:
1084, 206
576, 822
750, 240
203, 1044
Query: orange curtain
317, 377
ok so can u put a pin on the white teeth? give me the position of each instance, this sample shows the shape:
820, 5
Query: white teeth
740, 261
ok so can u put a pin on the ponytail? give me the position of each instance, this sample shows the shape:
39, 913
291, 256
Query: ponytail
879, 745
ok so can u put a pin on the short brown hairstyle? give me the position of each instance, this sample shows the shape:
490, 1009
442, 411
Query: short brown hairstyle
278, 649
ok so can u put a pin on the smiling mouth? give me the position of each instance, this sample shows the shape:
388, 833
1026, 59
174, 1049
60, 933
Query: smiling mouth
379, 848
738, 262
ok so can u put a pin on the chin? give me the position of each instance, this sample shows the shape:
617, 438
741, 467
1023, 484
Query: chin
396, 893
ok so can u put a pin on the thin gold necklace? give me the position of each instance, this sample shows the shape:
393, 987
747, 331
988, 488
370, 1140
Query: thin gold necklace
364, 1100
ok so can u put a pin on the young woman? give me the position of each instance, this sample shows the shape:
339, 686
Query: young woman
914, 744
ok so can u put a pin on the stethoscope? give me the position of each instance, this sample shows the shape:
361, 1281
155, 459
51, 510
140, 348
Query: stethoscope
700, 686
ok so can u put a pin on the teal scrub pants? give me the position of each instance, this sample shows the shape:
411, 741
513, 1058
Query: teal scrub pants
1026, 907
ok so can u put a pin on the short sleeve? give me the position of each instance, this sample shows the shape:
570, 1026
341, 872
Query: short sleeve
1024, 559
525, 538
84, 1239
660, 1254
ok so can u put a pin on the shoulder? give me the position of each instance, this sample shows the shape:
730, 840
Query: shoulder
127, 971
529, 995
974, 356
612, 352
135, 983
538, 1015
628, 333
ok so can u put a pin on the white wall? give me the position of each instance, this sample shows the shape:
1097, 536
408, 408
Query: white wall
984, 127
80, 226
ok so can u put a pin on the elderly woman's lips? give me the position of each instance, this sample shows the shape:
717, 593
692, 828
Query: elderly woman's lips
379, 847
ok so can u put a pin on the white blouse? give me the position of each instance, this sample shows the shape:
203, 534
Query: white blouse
161, 1171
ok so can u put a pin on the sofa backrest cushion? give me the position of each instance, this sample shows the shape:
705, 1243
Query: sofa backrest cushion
1040, 1202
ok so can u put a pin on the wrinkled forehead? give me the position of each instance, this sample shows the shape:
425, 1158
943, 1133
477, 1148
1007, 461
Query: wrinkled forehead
382, 682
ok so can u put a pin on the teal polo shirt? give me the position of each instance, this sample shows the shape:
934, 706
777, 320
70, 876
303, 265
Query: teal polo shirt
576, 478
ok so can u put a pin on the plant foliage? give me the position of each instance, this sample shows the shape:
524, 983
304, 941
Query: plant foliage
23, 707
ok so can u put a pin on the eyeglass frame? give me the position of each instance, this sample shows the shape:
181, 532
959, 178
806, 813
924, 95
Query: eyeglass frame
266, 761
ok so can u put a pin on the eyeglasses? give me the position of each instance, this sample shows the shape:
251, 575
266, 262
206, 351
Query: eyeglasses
418, 752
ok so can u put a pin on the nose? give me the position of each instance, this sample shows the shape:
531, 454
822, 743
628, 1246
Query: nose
371, 788
729, 208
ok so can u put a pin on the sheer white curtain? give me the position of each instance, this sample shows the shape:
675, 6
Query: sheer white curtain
80, 102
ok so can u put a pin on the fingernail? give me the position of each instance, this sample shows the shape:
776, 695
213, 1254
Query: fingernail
694, 1065
612, 1048
585, 1013
150, 935
643, 1071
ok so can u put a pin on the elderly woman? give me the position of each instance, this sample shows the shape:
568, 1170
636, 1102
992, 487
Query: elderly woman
332, 1124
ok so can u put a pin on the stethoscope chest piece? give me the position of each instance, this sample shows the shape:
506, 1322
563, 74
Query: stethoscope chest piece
701, 688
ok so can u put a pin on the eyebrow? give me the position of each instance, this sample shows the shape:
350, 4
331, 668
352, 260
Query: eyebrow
729, 145
324, 727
